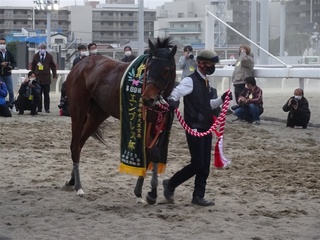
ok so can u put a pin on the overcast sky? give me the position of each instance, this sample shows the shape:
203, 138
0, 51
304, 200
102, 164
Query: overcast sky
29, 3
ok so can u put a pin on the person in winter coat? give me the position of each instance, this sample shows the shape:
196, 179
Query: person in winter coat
243, 69
298, 108
42, 65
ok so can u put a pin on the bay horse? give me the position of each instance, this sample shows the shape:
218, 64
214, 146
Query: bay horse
93, 92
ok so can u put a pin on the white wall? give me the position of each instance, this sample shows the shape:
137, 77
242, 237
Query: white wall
81, 23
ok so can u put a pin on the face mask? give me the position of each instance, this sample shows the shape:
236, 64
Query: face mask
42, 51
298, 97
2, 46
210, 70
127, 53
32, 79
83, 53
94, 51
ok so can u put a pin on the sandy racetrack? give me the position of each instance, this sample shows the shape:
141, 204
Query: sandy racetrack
271, 190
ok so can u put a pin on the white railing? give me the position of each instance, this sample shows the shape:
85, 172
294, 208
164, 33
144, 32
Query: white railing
303, 72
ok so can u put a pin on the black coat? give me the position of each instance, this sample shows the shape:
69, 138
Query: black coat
6, 71
299, 116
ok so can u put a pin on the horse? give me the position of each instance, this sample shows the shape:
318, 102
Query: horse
93, 93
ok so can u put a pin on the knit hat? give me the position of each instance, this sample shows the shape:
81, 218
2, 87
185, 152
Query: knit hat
207, 55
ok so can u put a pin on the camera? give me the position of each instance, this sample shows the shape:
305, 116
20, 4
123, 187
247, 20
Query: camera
9, 67
293, 101
61, 104
240, 104
191, 56
234, 107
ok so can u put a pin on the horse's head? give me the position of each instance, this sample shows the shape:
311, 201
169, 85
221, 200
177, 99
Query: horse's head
161, 71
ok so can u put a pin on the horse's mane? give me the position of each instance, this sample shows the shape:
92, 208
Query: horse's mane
164, 43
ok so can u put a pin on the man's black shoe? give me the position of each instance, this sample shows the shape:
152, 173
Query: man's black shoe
47, 111
167, 191
201, 202
39, 110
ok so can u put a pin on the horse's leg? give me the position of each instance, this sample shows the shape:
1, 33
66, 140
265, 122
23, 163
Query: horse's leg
95, 116
138, 189
152, 196
77, 123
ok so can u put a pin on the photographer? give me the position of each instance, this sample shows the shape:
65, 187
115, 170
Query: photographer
7, 63
187, 62
250, 105
29, 95
63, 105
298, 108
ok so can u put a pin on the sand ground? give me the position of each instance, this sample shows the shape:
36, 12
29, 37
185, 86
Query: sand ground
270, 191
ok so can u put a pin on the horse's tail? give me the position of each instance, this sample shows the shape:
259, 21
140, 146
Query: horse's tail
98, 134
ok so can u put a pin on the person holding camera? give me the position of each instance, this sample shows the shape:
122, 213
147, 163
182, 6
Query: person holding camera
29, 95
187, 62
298, 108
243, 68
250, 104
198, 105
7, 64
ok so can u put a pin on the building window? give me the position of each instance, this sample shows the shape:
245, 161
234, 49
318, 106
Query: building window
180, 15
303, 14
58, 41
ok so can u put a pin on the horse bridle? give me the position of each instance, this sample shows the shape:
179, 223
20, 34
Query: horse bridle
151, 81
162, 114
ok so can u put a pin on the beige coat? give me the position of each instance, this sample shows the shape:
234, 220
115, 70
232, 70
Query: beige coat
243, 68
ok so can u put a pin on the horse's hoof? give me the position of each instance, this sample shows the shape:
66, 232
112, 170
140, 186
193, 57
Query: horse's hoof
150, 200
140, 200
80, 192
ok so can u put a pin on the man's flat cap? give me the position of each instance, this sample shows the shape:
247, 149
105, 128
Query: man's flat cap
207, 55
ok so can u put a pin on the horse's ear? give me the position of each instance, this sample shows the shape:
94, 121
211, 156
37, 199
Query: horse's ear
153, 49
173, 51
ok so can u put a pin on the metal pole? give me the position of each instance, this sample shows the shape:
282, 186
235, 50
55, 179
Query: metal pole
253, 26
311, 10
141, 28
264, 30
33, 20
48, 29
240, 34
282, 26
209, 26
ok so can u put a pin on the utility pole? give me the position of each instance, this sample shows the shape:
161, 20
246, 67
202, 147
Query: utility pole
48, 6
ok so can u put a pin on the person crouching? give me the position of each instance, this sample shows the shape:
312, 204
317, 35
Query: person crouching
250, 105
29, 95
298, 108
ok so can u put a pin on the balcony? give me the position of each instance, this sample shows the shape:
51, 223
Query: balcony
293, 7
184, 30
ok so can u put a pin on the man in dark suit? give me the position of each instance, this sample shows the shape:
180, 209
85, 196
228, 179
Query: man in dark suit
42, 63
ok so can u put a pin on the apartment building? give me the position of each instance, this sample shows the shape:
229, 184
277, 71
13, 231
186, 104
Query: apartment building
107, 23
